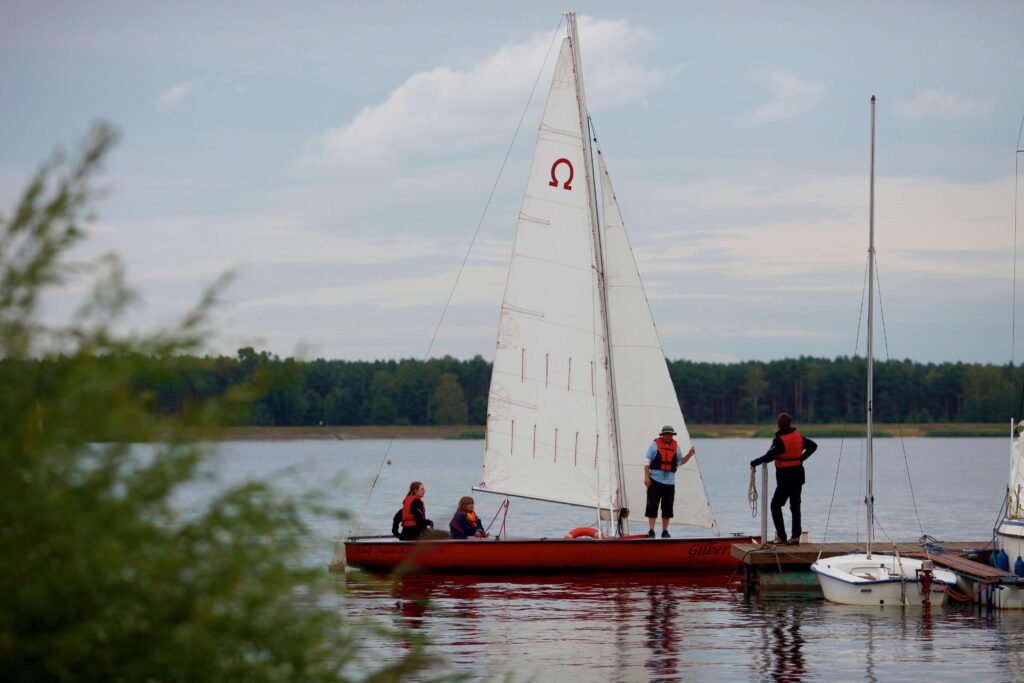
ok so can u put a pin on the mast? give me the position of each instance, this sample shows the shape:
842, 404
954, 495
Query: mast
588, 164
870, 498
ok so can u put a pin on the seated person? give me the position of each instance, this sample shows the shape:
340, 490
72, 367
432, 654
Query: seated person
465, 523
414, 513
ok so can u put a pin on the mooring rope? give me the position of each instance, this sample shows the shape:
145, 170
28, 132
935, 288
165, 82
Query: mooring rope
752, 492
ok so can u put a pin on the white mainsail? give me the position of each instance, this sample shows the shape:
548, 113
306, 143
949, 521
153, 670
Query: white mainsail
551, 420
548, 409
644, 392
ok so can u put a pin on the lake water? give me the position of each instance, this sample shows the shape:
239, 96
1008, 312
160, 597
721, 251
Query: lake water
658, 627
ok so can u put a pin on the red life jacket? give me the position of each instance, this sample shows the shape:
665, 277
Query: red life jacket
793, 446
666, 460
409, 519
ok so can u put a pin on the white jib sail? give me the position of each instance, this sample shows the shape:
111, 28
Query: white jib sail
644, 392
548, 408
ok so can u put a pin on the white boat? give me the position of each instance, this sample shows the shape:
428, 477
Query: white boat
579, 386
876, 579
1009, 537
871, 578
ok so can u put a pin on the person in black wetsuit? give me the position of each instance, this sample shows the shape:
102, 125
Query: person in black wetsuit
789, 450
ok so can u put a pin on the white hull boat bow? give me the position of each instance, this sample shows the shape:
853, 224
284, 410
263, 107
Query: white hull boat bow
877, 579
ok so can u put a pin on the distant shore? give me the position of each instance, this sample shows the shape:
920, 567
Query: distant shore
697, 431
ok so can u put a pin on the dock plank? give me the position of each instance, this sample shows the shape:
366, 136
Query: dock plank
967, 567
796, 557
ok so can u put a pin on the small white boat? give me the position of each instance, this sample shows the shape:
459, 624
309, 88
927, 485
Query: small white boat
1009, 546
870, 578
862, 579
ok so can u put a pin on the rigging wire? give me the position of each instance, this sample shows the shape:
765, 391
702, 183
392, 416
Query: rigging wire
899, 424
599, 349
842, 441
596, 304
469, 250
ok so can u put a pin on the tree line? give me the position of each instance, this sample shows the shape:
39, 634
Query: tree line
449, 391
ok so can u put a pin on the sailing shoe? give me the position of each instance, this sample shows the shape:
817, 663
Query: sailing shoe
650, 534
794, 541
664, 534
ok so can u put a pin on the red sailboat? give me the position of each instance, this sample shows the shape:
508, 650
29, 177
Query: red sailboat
579, 385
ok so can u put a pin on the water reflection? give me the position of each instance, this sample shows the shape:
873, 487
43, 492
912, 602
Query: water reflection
663, 662
787, 656
676, 628
628, 628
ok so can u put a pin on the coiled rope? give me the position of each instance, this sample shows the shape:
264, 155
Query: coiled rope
752, 492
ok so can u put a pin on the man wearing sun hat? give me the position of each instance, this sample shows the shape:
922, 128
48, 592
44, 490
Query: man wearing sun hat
663, 459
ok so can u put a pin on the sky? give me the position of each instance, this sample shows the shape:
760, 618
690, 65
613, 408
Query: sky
339, 157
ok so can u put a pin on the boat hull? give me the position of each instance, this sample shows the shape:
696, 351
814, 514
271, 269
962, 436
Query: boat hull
1009, 538
543, 555
878, 581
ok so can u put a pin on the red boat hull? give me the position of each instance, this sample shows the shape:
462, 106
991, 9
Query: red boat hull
382, 554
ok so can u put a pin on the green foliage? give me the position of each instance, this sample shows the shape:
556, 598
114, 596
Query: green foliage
820, 390
103, 578
448, 404
467, 435
289, 392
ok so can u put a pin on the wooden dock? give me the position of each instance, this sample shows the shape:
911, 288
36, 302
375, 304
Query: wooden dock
788, 567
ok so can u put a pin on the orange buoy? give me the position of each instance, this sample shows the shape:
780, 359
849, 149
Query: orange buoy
584, 532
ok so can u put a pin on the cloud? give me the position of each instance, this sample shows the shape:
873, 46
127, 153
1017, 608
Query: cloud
173, 96
477, 285
749, 331
767, 244
444, 107
204, 248
791, 96
938, 104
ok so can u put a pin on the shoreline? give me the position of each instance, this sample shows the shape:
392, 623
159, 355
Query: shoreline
697, 431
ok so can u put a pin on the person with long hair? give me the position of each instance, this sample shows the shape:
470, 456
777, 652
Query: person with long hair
414, 513
465, 523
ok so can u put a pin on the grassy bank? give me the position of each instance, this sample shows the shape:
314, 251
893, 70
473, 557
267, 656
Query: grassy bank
697, 431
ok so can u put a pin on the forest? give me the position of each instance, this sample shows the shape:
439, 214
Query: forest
449, 391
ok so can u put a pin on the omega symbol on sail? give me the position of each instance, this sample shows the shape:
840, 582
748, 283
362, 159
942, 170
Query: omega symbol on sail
567, 185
